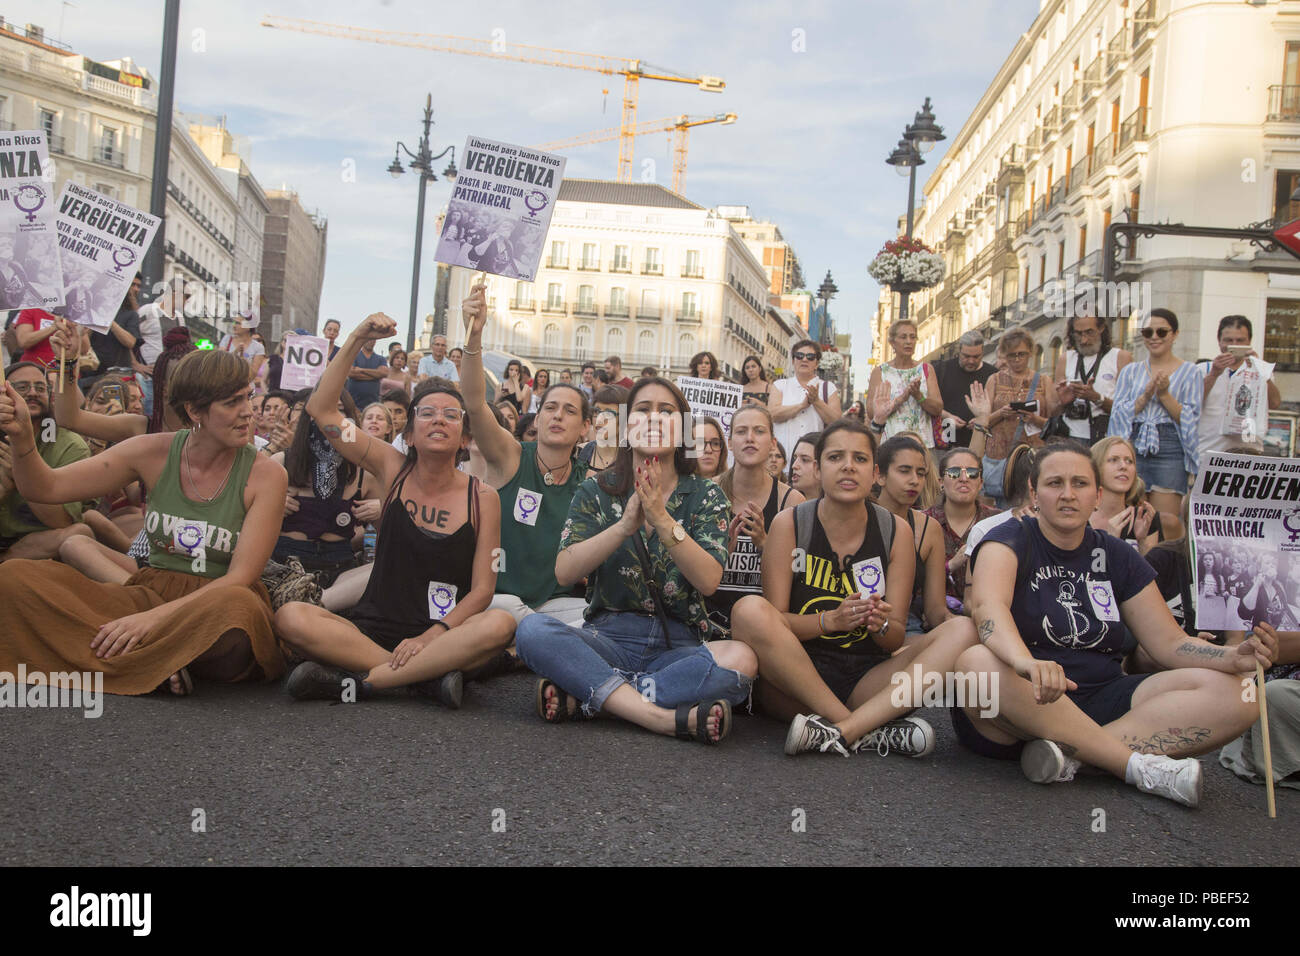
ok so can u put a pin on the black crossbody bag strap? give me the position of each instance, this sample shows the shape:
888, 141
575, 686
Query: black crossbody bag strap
638, 542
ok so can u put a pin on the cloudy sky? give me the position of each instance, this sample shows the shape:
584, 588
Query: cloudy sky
808, 151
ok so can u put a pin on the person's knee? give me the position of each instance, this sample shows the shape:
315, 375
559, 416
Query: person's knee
735, 656
749, 616
499, 627
75, 531
293, 622
74, 548
977, 658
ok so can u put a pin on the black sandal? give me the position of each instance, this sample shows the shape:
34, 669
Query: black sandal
562, 712
186, 682
683, 715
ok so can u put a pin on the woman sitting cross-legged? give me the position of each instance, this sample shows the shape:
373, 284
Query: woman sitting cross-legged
1054, 602
211, 520
409, 629
639, 654
825, 633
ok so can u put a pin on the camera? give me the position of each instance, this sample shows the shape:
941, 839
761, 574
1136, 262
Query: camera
1078, 410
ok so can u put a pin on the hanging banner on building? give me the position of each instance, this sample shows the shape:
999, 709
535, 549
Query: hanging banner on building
304, 361
30, 272
1245, 515
102, 243
500, 209
712, 398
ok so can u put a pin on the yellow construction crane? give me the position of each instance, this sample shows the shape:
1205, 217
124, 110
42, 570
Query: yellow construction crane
680, 125
632, 71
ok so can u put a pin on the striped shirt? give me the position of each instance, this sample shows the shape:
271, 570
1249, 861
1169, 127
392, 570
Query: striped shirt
1185, 385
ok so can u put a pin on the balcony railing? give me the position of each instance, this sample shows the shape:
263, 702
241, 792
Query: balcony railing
1078, 175
589, 265
523, 305
1103, 152
616, 311
1117, 51
584, 308
554, 263
652, 268
108, 156
1072, 101
1022, 222
694, 315
1284, 104
620, 267
1034, 142
692, 272
1095, 74
651, 314
1040, 207
553, 306
1134, 129
1057, 194
1014, 157
1052, 121
58, 144
1143, 21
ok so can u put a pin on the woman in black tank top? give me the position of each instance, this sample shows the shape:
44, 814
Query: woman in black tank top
902, 464
825, 632
755, 498
423, 618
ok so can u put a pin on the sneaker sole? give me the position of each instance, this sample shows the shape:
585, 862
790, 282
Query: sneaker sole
1196, 789
1042, 761
452, 689
794, 737
928, 732
313, 681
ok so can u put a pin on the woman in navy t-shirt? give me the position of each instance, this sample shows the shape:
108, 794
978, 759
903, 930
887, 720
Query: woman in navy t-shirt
1054, 601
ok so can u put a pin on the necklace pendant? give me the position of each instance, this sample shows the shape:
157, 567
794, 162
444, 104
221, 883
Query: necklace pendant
547, 479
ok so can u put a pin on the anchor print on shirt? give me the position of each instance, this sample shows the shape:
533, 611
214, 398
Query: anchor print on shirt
1078, 621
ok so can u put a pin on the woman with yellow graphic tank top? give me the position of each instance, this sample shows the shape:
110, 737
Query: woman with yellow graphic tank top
837, 580
213, 515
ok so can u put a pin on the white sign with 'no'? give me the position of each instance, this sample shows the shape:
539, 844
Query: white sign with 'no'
304, 361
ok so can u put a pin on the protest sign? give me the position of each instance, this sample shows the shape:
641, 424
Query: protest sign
30, 274
712, 398
500, 209
101, 242
1245, 517
304, 361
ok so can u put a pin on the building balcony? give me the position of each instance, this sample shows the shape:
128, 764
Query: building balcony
523, 305
554, 306
585, 308
1117, 53
1072, 102
557, 263
1283, 104
1078, 175
621, 267
652, 269
108, 156
616, 312
1094, 76
1051, 123
1013, 158
1144, 21
1057, 193
1134, 129
58, 144
650, 315
1034, 142
589, 265
1103, 153
695, 316
692, 273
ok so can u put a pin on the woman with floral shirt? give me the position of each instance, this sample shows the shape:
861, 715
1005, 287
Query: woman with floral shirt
623, 660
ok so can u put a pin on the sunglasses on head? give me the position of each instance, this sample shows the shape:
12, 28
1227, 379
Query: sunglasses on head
1159, 333
956, 472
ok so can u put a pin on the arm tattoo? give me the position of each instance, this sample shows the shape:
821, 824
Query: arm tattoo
1195, 649
985, 631
1175, 740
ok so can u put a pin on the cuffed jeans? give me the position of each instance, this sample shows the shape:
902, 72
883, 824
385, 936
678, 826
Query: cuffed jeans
622, 647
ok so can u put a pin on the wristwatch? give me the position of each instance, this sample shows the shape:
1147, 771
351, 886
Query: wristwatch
678, 535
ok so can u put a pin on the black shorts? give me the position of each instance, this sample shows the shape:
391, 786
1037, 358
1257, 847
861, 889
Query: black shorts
1108, 701
387, 634
839, 670
973, 740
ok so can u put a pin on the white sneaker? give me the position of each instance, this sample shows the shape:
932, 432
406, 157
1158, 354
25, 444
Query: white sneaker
1179, 780
908, 735
1043, 761
812, 732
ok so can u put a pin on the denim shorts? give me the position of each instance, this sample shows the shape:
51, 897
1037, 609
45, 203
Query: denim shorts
1165, 470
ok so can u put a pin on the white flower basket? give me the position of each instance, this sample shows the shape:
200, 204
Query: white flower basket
918, 270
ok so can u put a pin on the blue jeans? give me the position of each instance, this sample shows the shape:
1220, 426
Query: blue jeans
621, 647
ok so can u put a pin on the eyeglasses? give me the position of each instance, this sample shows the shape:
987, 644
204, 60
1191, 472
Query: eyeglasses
805, 356
1017, 355
956, 473
1159, 333
35, 388
712, 444
427, 413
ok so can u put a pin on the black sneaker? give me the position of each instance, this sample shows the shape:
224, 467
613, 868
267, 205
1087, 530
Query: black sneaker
811, 732
909, 735
503, 663
448, 690
313, 681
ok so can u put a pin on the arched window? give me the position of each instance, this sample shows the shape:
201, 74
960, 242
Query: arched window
685, 348
614, 342
645, 348
551, 340
582, 343
519, 338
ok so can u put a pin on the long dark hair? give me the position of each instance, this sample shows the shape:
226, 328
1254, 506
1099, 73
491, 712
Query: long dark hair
714, 371
616, 481
176, 345
762, 374
429, 386
1103, 324
299, 461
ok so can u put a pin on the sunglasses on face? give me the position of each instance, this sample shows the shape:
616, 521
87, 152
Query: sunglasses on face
1159, 333
956, 473
805, 356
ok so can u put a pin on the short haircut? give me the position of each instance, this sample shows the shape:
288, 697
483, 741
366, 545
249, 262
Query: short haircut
610, 395
615, 360
1066, 447
899, 323
206, 376
970, 339
521, 426
583, 404
802, 342
1014, 334
649, 372
1235, 322
397, 396
21, 365
589, 366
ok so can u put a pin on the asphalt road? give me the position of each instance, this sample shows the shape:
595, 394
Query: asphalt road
406, 782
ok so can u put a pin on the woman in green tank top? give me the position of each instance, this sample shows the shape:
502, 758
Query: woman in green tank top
213, 517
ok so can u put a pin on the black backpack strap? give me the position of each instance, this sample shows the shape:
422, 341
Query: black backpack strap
804, 516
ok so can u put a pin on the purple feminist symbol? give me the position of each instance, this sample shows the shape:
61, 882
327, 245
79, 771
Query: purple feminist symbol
26, 191
869, 578
1294, 530
189, 537
536, 201
1102, 596
127, 256
442, 598
527, 504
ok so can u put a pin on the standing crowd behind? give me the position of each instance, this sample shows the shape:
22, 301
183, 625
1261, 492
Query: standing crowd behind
174, 514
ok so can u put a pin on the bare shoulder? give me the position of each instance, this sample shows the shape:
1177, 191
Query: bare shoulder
269, 472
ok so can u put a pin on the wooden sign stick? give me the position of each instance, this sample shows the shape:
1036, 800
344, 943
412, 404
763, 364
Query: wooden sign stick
1268, 753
